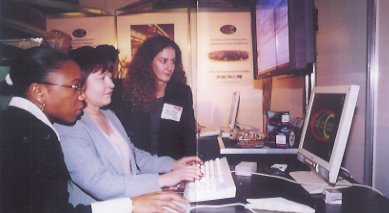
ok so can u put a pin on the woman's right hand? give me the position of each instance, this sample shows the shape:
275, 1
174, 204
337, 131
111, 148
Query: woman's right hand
183, 174
159, 202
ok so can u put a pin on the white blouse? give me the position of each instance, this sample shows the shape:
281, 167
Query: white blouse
121, 147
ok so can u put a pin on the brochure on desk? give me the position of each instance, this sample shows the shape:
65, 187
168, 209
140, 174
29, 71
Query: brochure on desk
228, 146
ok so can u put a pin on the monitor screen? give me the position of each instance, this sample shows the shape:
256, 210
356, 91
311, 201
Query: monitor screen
272, 34
326, 129
323, 124
285, 37
233, 110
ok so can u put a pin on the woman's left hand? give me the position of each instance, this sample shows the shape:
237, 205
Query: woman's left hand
185, 161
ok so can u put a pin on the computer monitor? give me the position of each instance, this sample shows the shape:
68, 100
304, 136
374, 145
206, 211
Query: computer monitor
212, 131
233, 110
326, 129
285, 37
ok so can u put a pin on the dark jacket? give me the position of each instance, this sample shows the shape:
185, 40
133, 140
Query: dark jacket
176, 138
33, 175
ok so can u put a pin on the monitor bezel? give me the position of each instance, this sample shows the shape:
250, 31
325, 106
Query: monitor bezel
234, 110
329, 170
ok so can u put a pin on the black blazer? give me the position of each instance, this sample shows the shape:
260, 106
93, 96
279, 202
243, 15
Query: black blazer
176, 139
33, 175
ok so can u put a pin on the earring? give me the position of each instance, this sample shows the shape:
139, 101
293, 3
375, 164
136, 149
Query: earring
42, 104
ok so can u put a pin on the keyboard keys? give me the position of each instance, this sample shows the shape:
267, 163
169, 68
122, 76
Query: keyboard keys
217, 182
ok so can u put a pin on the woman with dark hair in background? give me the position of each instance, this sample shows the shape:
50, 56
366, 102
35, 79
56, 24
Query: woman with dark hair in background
155, 104
33, 175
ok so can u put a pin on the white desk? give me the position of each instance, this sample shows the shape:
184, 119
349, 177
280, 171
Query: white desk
262, 150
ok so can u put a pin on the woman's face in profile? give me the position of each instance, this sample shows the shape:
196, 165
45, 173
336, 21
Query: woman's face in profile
163, 64
99, 87
64, 103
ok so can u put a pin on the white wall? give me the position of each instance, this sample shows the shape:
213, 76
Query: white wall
342, 59
288, 95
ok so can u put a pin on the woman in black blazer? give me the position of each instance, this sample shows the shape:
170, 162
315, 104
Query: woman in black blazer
33, 175
154, 102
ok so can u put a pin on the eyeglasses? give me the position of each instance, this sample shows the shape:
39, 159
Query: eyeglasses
75, 87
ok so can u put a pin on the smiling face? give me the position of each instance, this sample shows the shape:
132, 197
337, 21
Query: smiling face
63, 103
98, 89
163, 65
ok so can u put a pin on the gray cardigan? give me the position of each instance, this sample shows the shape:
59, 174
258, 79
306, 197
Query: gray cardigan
94, 166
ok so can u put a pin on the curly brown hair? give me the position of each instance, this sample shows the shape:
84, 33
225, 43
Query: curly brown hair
139, 85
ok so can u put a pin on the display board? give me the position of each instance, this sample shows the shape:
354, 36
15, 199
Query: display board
225, 65
84, 30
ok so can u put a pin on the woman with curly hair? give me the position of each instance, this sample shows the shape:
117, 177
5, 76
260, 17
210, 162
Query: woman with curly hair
155, 104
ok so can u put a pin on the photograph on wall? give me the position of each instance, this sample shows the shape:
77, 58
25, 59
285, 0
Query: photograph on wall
139, 33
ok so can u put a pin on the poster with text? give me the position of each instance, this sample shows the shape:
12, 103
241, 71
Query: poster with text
224, 66
225, 47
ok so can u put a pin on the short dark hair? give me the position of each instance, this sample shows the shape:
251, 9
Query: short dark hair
33, 65
89, 60
108, 51
109, 54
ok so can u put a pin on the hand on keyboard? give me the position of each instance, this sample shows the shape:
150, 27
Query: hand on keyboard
179, 205
154, 202
216, 183
184, 170
185, 161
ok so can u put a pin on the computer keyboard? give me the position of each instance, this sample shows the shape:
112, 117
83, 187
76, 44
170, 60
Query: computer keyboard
217, 182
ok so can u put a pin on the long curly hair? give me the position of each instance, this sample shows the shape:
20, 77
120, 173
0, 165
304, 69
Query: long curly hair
140, 84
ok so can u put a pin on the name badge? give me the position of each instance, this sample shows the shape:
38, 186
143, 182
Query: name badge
171, 112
